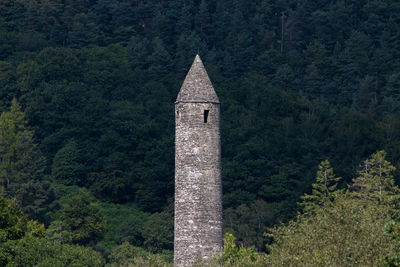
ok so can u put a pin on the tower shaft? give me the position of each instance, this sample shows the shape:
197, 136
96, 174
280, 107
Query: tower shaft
198, 190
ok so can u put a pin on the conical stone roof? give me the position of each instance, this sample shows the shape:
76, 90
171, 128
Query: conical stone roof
197, 86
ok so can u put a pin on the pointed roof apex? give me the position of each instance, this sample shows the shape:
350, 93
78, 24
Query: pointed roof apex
197, 86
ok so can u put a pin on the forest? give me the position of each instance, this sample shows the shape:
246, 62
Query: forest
309, 91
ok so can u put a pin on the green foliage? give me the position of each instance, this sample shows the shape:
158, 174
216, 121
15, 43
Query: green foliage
14, 226
124, 223
106, 73
22, 166
375, 178
122, 253
236, 256
131, 229
67, 168
324, 190
248, 222
348, 232
13, 132
22, 243
158, 232
344, 231
38, 199
128, 255
239, 256
13, 223
40, 252
7, 84
392, 229
72, 255
100, 93
82, 219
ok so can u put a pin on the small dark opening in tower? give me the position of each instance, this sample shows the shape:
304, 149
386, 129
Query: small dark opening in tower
206, 115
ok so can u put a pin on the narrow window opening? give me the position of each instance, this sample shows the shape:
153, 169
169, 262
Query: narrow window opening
206, 115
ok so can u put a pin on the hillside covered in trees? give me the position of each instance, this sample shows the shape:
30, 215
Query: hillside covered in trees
87, 91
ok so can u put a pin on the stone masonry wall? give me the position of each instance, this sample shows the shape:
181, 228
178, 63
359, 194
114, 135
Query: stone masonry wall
198, 190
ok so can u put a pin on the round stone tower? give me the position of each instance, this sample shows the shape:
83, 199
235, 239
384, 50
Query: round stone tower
198, 190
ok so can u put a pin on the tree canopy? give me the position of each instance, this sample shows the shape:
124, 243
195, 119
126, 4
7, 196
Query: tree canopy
87, 91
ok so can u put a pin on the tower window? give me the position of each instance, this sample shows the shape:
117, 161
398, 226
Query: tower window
206, 115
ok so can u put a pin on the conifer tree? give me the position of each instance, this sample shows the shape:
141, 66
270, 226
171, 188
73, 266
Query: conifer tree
375, 180
22, 166
324, 188
350, 230
13, 133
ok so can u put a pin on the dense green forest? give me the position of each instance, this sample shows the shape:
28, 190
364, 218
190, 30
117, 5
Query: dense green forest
87, 91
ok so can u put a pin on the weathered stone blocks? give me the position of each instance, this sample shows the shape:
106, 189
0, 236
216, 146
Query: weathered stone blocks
198, 190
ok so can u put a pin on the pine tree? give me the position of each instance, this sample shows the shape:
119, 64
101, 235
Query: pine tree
13, 134
324, 188
375, 180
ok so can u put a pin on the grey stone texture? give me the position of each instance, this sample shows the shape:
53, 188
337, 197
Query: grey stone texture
197, 86
198, 190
